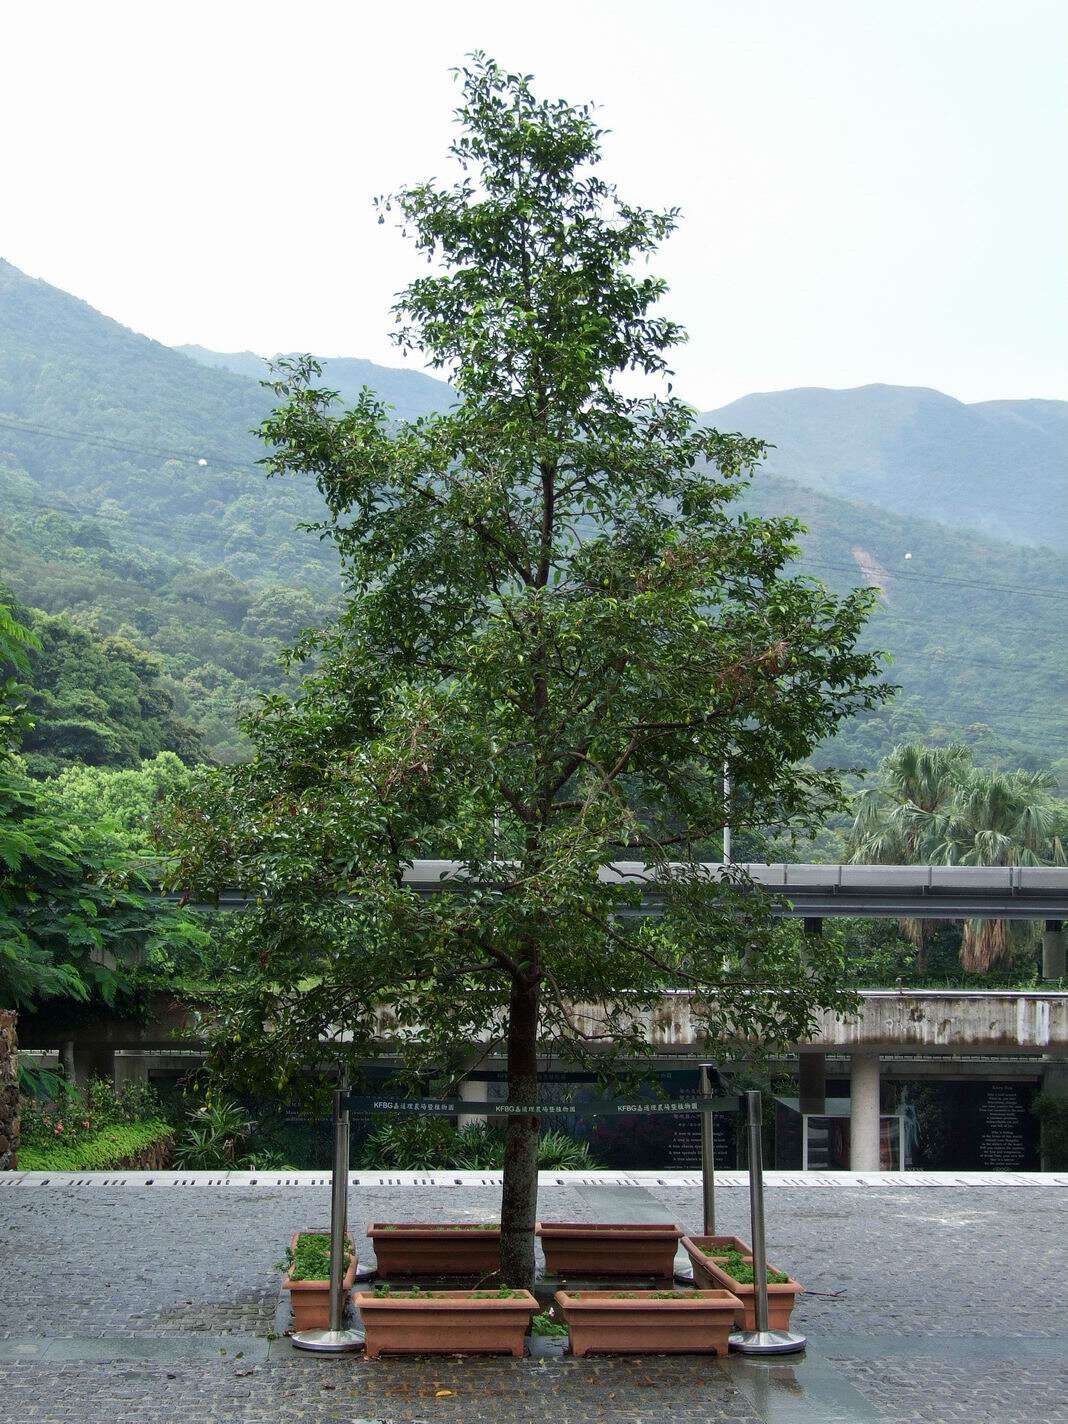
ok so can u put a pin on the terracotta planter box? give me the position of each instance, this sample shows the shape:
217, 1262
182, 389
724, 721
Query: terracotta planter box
692, 1323
311, 1299
781, 1298
424, 1248
446, 1323
575, 1248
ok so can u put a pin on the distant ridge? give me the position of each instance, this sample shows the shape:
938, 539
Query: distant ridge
999, 467
411, 393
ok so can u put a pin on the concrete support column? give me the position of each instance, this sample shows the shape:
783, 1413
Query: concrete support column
812, 1081
864, 1113
1053, 950
472, 1091
130, 1068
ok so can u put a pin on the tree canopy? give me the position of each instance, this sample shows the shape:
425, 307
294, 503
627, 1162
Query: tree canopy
932, 805
75, 871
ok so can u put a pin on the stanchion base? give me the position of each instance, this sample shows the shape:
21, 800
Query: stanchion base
328, 1342
766, 1342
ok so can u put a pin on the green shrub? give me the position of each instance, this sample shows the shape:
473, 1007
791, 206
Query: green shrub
214, 1137
97, 1151
73, 1115
426, 1144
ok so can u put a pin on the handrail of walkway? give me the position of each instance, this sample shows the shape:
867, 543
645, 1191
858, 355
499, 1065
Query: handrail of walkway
935, 892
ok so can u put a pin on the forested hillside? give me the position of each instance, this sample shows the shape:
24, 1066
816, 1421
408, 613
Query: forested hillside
999, 467
410, 393
109, 517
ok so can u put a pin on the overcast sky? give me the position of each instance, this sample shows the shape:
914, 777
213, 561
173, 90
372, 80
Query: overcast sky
871, 191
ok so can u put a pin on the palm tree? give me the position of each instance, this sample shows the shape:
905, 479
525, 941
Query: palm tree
899, 821
932, 806
999, 818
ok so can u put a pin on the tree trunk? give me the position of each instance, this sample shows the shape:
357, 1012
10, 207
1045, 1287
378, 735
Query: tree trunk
519, 1193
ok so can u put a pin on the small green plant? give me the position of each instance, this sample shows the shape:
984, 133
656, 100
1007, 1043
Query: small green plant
311, 1259
546, 1324
735, 1265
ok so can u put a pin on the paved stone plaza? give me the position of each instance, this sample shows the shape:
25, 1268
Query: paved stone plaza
126, 1302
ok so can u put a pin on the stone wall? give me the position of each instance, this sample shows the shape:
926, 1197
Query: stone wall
9, 1092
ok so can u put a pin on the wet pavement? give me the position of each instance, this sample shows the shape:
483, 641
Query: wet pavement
125, 1301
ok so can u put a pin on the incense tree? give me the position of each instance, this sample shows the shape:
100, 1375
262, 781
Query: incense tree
558, 629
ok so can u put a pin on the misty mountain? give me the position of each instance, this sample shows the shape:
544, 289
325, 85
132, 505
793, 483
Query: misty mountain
130, 497
998, 467
410, 393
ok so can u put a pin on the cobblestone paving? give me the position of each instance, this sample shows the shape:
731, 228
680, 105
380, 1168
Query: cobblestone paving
917, 1299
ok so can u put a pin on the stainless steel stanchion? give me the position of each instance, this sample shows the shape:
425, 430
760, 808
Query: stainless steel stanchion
683, 1268
760, 1341
336, 1340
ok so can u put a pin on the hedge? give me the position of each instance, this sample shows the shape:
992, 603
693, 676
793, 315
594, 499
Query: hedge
99, 1151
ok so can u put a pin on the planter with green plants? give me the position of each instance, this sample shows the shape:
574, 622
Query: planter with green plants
445, 1322
649, 1321
727, 1263
581, 1248
428, 1248
307, 1278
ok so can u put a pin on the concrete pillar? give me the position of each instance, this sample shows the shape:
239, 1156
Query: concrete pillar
1053, 950
472, 1091
812, 1081
864, 1113
130, 1068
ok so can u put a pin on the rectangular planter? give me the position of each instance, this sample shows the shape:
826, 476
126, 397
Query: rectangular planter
781, 1298
446, 1323
693, 1323
311, 1299
425, 1248
575, 1248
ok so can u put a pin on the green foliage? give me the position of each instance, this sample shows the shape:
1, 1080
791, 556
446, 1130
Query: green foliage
311, 1259
71, 1114
546, 1324
184, 560
74, 910
424, 1143
213, 1138
90, 1129
739, 1268
933, 806
96, 701
98, 1152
